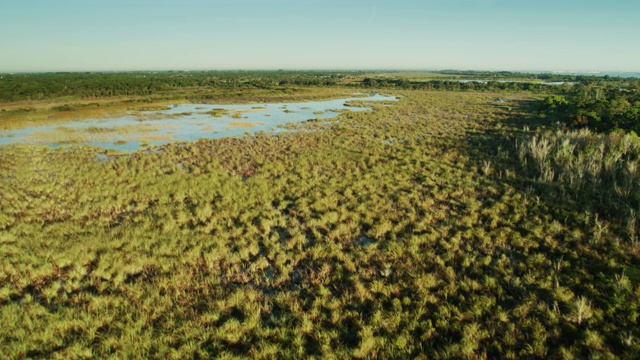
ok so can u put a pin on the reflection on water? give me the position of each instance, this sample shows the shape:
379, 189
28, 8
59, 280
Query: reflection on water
183, 122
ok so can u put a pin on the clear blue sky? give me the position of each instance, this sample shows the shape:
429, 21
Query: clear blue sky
86, 35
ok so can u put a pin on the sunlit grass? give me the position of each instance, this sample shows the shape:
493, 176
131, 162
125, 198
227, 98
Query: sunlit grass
21, 114
75, 135
413, 230
243, 124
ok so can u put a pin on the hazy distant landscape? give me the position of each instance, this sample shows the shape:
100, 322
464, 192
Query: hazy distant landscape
285, 180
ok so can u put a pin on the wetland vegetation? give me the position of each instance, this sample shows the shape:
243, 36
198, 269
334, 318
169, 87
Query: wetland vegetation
453, 223
184, 122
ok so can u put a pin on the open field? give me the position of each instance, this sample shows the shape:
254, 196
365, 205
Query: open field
428, 228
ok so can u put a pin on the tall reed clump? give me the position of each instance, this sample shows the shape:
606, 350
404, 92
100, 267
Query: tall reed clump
599, 170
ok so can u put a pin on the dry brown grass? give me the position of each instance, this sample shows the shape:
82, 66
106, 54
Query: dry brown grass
44, 113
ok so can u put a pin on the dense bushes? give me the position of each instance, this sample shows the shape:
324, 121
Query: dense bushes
51, 85
599, 107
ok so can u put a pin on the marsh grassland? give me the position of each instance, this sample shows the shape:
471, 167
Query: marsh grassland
447, 225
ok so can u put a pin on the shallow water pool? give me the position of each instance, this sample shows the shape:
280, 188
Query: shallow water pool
182, 122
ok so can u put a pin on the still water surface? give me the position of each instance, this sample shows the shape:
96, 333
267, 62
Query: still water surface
181, 122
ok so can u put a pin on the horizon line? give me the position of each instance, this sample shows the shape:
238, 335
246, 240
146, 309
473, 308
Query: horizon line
319, 70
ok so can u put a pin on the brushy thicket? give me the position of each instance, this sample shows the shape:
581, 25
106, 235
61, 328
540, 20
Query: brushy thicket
598, 171
600, 107
411, 231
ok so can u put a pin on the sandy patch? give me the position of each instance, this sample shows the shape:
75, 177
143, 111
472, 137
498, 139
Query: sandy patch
243, 124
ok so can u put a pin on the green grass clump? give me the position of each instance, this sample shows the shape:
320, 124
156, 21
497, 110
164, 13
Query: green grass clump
413, 230
218, 112
597, 172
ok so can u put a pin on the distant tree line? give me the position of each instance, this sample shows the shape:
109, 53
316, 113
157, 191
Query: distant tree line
499, 81
498, 75
14, 87
457, 85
